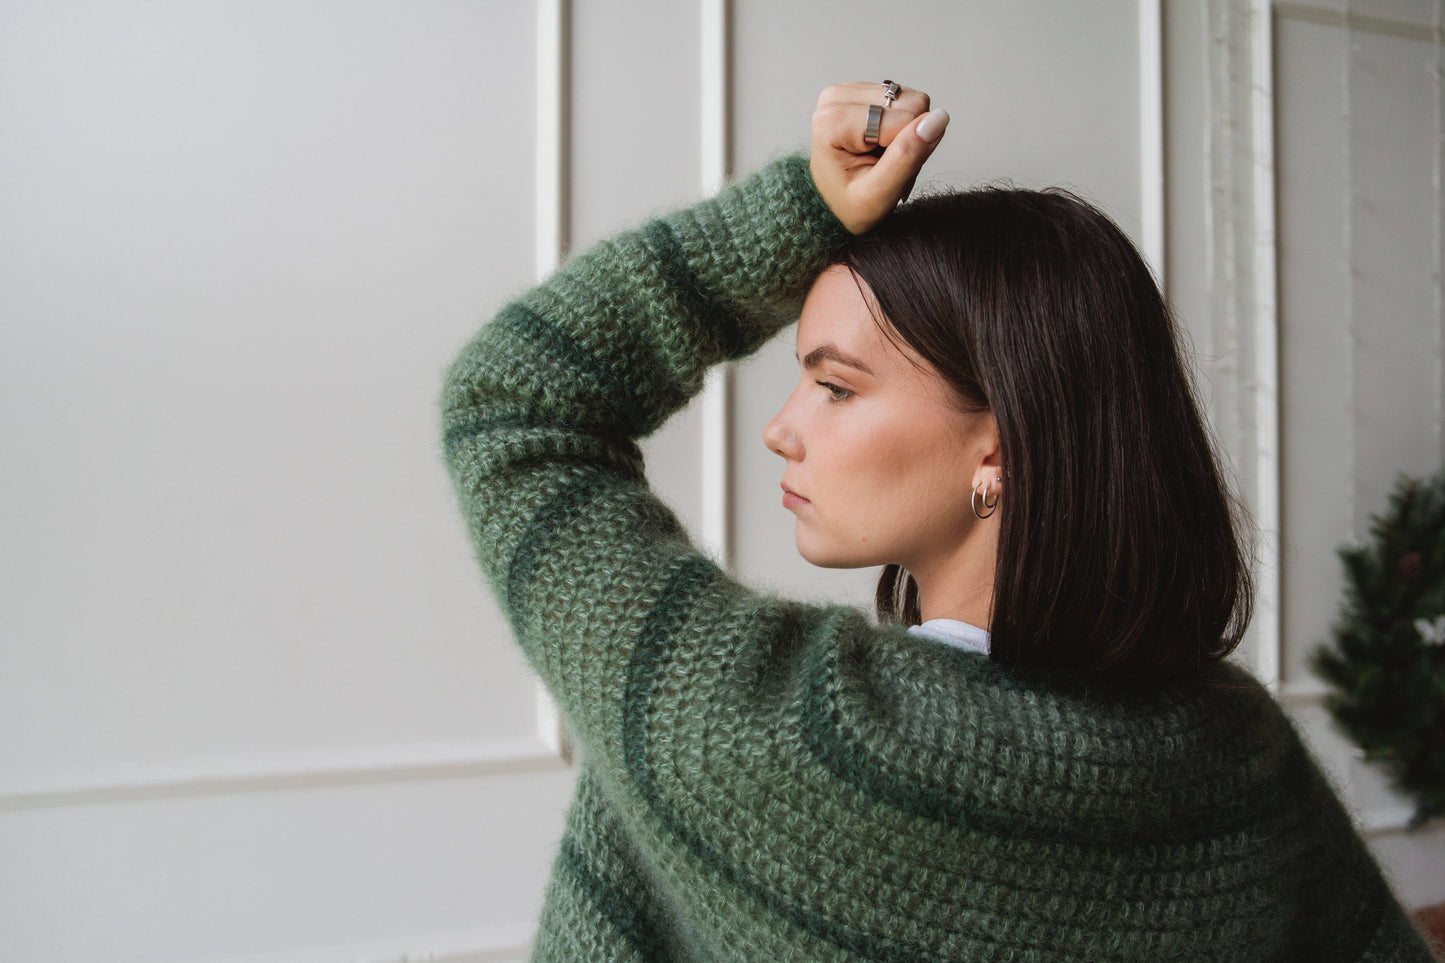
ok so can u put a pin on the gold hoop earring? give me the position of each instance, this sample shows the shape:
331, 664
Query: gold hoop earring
991, 506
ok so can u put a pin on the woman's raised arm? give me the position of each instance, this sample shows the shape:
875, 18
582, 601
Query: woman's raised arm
542, 410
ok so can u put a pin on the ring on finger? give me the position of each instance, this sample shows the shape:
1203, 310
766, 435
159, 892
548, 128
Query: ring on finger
891, 90
875, 119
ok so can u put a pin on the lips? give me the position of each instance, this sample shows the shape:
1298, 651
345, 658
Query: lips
792, 501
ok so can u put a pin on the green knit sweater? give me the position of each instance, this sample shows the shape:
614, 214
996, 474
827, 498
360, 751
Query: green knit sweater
764, 780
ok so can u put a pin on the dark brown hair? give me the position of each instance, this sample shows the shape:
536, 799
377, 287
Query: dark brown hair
1119, 545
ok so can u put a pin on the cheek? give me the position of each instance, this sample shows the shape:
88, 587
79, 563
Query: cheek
875, 475
922, 475
894, 451
859, 454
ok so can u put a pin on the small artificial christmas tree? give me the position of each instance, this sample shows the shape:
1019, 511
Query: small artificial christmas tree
1387, 663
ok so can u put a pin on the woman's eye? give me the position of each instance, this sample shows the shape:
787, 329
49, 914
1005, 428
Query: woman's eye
839, 394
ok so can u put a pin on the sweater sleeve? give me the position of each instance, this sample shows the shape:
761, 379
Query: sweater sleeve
541, 412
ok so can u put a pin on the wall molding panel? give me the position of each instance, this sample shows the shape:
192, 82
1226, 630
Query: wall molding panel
1151, 135
478, 946
1265, 388
1363, 23
1438, 235
553, 22
1302, 693
715, 63
1239, 268
1384, 821
289, 772
554, 221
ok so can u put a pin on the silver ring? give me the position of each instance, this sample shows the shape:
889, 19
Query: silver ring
891, 90
875, 117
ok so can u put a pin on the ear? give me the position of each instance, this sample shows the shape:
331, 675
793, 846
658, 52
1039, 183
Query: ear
989, 473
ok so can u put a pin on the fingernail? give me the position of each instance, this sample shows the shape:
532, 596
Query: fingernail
933, 124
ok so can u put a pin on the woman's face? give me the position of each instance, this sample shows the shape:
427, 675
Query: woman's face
881, 463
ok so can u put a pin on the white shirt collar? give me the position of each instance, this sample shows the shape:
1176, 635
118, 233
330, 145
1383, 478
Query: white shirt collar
952, 632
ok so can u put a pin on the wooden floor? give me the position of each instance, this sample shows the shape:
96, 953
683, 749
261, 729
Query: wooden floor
1431, 919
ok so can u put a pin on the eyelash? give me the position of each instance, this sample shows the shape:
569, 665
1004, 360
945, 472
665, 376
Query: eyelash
838, 394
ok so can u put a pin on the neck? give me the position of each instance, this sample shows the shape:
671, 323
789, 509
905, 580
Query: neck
960, 584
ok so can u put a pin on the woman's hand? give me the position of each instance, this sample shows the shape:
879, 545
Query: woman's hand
859, 187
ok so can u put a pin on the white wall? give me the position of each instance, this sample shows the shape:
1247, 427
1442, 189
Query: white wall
253, 703
252, 699
1358, 101
1303, 149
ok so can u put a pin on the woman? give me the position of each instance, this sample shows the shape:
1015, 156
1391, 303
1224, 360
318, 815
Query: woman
1055, 765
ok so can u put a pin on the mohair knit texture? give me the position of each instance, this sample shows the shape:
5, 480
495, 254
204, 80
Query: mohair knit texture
763, 780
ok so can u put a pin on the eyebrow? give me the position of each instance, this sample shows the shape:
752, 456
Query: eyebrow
828, 352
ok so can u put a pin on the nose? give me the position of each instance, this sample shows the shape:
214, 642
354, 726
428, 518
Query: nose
780, 436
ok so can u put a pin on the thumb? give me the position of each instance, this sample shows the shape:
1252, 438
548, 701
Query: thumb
900, 164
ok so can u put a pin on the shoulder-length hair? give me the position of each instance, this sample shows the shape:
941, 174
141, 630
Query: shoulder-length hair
1119, 546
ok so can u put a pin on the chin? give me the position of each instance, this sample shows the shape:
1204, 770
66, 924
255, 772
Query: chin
832, 563
827, 556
